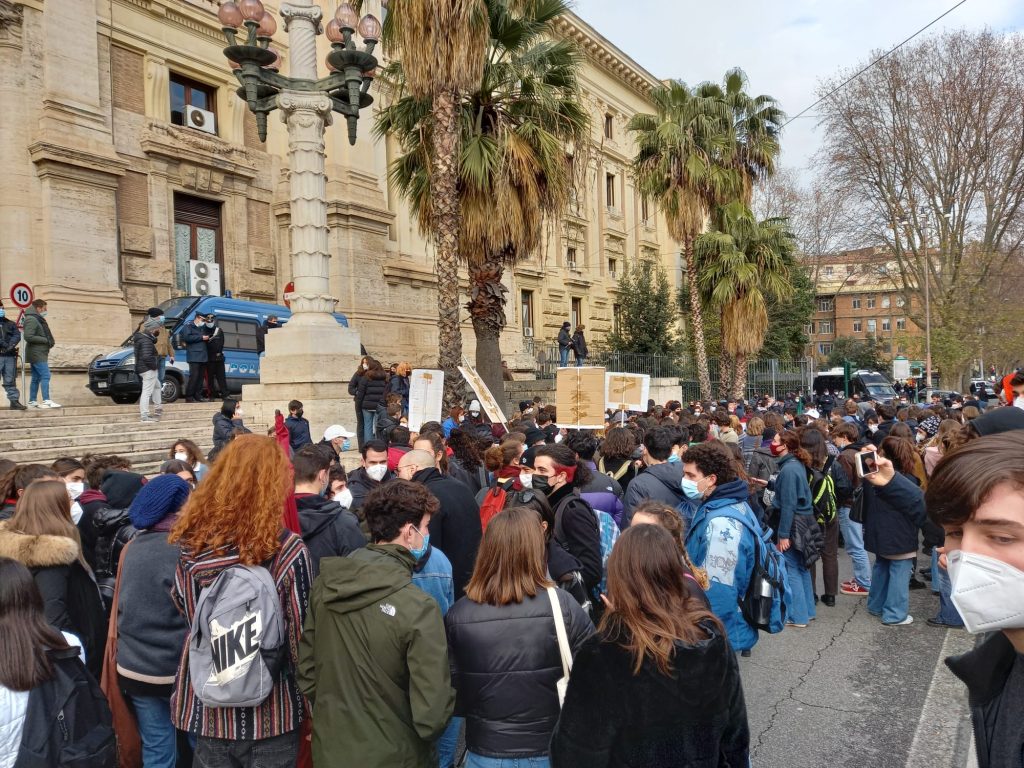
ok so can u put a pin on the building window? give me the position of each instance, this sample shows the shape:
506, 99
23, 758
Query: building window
825, 348
613, 268
826, 305
824, 326
886, 303
645, 213
609, 189
526, 307
901, 323
872, 326
855, 303
886, 324
871, 303
828, 271
197, 236
570, 258
858, 326
609, 126
189, 93
577, 312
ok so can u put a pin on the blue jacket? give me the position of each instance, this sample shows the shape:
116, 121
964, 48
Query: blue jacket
724, 548
195, 347
448, 426
792, 493
298, 432
433, 575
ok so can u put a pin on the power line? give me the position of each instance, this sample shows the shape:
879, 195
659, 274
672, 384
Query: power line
876, 61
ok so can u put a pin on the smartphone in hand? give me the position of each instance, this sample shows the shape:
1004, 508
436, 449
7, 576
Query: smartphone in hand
867, 463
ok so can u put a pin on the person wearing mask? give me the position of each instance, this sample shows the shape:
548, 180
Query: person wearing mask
796, 524
455, 419
42, 665
720, 538
187, 451
579, 346
564, 344
373, 658
194, 337
455, 528
353, 389
164, 348
370, 393
150, 630
847, 439
975, 495
372, 473
559, 474
1017, 388
10, 338
147, 364
659, 685
38, 343
602, 492
338, 440
399, 384
503, 647
328, 530
227, 423
617, 459
72, 472
812, 440
339, 490
894, 512
216, 376
234, 518
660, 480
268, 325
298, 426
41, 536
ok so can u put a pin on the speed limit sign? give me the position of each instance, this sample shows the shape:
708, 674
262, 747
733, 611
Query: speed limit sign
21, 294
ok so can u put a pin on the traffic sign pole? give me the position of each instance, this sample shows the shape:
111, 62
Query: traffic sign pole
21, 294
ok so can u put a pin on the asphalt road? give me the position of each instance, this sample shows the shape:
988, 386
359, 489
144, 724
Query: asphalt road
848, 691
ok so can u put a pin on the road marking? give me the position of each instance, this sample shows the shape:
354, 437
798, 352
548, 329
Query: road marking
939, 727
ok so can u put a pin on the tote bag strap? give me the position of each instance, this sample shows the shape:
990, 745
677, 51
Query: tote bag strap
563, 640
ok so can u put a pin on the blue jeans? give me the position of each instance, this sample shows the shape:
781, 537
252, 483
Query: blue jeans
890, 589
802, 607
853, 535
479, 761
153, 714
40, 378
9, 372
161, 369
948, 614
369, 425
448, 743
564, 352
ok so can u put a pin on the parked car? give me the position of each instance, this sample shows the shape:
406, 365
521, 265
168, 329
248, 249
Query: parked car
113, 375
990, 389
870, 385
944, 395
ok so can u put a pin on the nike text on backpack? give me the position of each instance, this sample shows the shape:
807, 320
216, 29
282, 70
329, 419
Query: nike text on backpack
823, 492
237, 644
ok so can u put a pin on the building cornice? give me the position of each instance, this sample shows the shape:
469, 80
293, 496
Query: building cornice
603, 53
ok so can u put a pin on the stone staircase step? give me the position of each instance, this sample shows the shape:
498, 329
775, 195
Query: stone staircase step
133, 433
97, 429
156, 446
104, 410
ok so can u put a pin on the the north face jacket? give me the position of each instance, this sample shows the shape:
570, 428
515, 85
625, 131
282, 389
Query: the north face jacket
373, 661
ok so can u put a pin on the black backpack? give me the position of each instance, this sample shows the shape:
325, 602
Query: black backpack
113, 532
823, 492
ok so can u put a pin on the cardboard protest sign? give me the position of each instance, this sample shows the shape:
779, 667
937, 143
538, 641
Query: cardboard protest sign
580, 397
627, 391
490, 406
426, 392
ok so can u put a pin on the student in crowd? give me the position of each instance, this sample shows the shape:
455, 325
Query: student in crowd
298, 426
617, 459
234, 517
661, 514
659, 685
660, 480
796, 523
503, 647
188, 451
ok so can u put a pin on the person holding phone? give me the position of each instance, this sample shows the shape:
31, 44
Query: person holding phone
893, 513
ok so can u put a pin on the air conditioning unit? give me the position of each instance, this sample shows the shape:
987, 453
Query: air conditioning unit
200, 119
528, 333
203, 278
571, 265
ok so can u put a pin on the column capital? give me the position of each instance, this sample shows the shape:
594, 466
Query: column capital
290, 102
310, 13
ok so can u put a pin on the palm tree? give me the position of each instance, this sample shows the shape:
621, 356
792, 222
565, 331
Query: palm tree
441, 45
757, 123
515, 126
683, 163
741, 263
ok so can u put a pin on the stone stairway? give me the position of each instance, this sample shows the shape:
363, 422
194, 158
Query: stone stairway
40, 436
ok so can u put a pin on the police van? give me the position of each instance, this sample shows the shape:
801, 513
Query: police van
869, 385
114, 376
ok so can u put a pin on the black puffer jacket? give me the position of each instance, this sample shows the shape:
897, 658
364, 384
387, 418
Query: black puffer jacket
505, 664
893, 514
146, 358
370, 392
327, 529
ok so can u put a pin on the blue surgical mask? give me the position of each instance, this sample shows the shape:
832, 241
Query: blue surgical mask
422, 550
691, 490
673, 458
2, 313
347, 445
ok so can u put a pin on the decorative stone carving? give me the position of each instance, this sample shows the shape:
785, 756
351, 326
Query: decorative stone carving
302, 41
11, 17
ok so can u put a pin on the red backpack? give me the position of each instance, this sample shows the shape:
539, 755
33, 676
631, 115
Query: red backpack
494, 501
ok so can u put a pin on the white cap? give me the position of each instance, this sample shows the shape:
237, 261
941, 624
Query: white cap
474, 406
813, 413
335, 431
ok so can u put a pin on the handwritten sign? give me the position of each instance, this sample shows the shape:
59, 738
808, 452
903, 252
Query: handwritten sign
483, 394
580, 397
426, 391
627, 391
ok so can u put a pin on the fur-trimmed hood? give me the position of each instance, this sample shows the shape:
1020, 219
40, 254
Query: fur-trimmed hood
37, 551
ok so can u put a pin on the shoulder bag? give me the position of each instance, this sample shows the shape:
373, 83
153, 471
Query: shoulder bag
563, 645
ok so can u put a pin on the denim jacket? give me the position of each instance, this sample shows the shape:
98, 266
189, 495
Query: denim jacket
433, 574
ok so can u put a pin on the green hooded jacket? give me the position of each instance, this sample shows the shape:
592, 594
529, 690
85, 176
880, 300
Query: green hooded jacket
374, 663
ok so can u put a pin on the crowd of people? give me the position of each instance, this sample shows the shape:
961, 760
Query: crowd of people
544, 596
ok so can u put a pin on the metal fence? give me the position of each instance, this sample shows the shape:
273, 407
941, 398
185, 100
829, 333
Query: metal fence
775, 377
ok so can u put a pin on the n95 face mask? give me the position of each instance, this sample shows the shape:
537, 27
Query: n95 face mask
988, 593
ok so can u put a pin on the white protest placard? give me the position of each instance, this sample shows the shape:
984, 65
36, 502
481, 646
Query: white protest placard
483, 394
627, 391
426, 392
580, 397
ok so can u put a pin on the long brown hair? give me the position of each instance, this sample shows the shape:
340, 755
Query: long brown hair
195, 456
25, 634
669, 519
44, 509
505, 455
651, 606
900, 452
791, 440
240, 503
510, 564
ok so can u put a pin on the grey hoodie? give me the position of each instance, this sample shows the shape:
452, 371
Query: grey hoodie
661, 482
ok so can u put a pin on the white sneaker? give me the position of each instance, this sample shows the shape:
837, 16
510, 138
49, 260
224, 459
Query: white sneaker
34, 404
50, 404
905, 622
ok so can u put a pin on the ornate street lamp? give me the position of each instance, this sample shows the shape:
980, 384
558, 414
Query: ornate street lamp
255, 63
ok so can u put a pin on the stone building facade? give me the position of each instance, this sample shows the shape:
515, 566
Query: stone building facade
107, 192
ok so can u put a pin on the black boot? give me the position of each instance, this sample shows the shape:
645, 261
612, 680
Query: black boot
16, 406
829, 600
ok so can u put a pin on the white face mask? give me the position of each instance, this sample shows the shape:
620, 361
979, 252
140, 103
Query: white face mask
1018, 401
526, 479
872, 428
75, 489
76, 512
988, 593
344, 497
377, 472
181, 456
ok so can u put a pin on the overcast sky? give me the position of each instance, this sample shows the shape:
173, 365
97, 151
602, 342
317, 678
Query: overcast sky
786, 47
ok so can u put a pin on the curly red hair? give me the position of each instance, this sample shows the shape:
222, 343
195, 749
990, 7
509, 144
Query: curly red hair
239, 503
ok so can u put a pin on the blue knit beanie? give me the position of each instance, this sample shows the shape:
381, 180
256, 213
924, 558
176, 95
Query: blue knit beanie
162, 496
